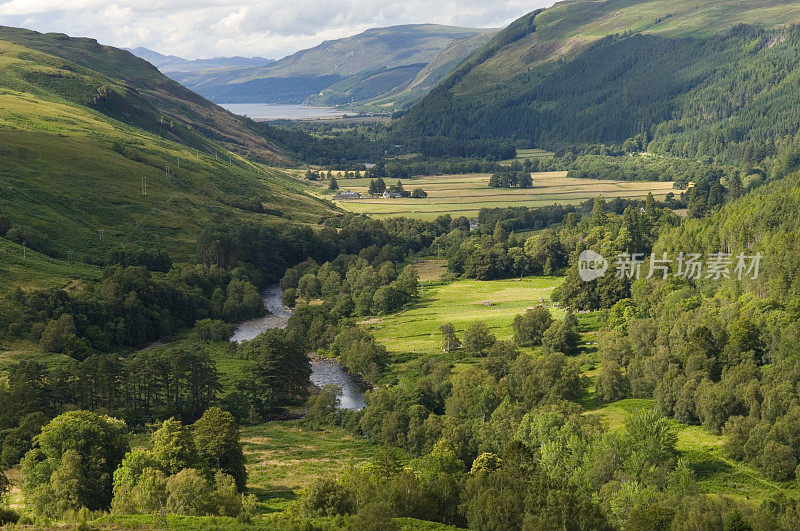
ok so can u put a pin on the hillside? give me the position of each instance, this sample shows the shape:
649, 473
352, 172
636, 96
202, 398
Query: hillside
87, 166
144, 96
341, 71
408, 93
602, 72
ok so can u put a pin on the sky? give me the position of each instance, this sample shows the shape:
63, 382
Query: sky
265, 28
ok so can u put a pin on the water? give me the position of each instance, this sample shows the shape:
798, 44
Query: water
326, 371
322, 371
273, 300
267, 111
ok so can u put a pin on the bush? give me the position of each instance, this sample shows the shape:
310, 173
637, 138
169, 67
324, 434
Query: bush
478, 338
324, 404
188, 493
531, 326
213, 330
375, 516
562, 336
326, 497
56, 333
225, 500
8, 516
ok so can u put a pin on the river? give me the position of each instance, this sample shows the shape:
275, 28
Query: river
322, 371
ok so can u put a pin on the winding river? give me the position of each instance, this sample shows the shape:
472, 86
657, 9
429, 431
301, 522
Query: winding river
322, 371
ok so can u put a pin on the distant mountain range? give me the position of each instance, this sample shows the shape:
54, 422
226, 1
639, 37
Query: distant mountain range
172, 64
381, 69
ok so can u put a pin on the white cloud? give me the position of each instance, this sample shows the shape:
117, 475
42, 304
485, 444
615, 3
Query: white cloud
268, 28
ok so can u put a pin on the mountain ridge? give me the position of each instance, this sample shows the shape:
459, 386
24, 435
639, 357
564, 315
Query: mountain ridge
372, 63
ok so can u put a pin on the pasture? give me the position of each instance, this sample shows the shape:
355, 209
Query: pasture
496, 302
465, 195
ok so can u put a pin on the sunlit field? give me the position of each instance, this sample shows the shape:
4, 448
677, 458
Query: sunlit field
465, 195
496, 302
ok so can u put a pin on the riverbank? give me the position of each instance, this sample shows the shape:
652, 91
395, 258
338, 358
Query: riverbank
323, 370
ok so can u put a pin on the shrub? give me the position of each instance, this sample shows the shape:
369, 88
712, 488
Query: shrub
188, 493
213, 330
326, 497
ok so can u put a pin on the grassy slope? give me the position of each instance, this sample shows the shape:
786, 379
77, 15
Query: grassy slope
63, 175
193, 119
703, 452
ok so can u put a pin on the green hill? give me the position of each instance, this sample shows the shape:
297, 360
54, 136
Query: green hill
88, 163
686, 74
135, 92
336, 72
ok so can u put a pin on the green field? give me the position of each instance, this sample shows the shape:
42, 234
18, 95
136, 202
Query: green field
533, 153
416, 330
465, 195
284, 457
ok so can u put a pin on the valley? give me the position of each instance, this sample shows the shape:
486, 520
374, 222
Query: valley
553, 285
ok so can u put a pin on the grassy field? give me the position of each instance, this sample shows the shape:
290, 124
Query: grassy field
284, 457
703, 452
416, 330
465, 195
523, 154
75, 177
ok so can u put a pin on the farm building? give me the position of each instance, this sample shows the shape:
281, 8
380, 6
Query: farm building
347, 195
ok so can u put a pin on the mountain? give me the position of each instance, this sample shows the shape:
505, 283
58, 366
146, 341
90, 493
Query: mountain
169, 64
99, 151
341, 71
687, 75
405, 94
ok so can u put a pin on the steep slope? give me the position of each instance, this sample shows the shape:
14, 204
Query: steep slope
587, 72
161, 105
362, 66
169, 64
81, 174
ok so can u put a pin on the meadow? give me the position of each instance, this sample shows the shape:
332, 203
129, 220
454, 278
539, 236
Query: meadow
497, 302
465, 195
284, 457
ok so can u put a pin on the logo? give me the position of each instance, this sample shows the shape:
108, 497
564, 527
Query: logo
591, 265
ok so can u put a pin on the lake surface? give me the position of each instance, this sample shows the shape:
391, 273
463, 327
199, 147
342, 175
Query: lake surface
322, 371
267, 111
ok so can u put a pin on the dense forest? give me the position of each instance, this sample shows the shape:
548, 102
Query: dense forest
721, 97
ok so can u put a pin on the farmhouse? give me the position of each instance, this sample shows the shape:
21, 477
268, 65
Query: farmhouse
347, 195
394, 195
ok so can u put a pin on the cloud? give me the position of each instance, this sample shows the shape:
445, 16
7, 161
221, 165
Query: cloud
267, 28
